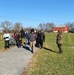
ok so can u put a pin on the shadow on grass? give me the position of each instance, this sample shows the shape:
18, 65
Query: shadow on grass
50, 50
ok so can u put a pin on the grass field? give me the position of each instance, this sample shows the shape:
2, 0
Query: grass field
47, 61
2, 46
1, 43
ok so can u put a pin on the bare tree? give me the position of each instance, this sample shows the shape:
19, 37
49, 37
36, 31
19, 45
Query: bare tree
28, 29
18, 26
41, 26
6, 25
70, 25
49, 26
46, 27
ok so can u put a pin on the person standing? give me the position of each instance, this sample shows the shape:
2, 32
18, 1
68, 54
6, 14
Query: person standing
27, 37
6, 37
41, 38
32, 39
11, 38
15, 38
19, 38
22, 36
59, 41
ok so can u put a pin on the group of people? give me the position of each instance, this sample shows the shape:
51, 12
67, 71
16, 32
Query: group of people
11, 38
34, 38
18, 39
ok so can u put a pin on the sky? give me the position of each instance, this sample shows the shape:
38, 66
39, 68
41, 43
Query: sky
33, 12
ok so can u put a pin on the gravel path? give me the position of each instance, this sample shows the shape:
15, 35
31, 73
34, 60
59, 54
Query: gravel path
15, 60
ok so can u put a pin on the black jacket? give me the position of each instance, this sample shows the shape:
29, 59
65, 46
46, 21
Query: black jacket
22, 33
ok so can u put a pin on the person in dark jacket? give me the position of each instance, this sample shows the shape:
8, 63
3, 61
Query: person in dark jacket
41, 39
19, 38
37, 43
22, 36
59, 41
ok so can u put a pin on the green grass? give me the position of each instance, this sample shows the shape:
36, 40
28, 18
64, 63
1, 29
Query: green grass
1, 46
47, 61
1, 43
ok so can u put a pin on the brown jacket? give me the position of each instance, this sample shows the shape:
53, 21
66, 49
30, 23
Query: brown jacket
59, 39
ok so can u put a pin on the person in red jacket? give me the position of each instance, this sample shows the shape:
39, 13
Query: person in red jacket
15, 37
